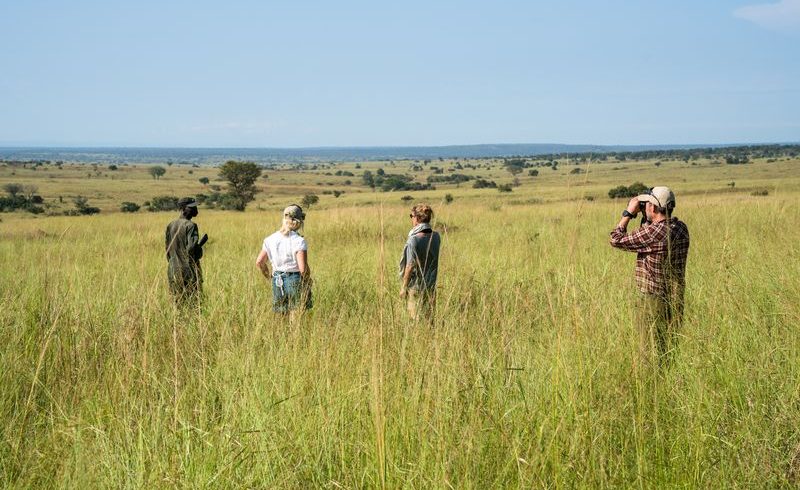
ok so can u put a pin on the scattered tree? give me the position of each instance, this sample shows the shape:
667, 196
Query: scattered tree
204, 180
309, 200
156, 171
241, 177
13, 189
82, 206
21, 197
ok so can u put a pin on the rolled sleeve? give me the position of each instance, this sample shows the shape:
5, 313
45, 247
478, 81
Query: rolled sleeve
637, 241
411, 252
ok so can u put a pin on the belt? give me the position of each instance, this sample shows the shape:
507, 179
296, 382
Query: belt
279, 275
284, 273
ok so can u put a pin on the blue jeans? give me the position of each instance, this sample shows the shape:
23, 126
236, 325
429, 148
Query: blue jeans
289, 293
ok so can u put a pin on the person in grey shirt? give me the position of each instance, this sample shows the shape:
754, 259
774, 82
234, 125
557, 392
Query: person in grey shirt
184, 249
419, 265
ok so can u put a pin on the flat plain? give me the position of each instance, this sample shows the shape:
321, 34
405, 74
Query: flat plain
528, 379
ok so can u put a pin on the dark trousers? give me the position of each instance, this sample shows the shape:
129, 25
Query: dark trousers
658, 319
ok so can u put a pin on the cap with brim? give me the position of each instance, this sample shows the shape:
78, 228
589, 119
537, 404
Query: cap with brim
295, 212
661, 196
187, 202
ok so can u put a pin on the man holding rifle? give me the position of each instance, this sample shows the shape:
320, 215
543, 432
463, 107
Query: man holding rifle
662, 247
184, 250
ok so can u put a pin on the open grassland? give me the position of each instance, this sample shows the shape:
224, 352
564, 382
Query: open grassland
107, 189
529, 378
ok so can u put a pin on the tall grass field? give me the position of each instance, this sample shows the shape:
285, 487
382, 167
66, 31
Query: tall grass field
528, 379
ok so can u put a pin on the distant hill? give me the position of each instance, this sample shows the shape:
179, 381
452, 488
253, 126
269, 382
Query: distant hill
210, 156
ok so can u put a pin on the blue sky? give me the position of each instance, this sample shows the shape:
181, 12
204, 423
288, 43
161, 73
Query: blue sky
352, 73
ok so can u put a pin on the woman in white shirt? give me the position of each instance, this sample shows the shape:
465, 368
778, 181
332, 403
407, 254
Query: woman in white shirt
286, 252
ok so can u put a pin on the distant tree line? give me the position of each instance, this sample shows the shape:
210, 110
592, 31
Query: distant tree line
730, 154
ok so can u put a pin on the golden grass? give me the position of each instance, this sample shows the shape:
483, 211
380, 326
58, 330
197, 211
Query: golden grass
527, 380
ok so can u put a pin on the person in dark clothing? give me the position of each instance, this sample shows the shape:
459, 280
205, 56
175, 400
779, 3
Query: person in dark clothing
184, 249
419, 265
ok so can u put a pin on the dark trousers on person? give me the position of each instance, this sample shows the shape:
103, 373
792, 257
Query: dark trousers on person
658, 318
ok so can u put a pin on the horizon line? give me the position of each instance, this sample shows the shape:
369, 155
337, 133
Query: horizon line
350, 147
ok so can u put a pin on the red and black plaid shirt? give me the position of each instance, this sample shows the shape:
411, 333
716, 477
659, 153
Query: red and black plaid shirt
661, 251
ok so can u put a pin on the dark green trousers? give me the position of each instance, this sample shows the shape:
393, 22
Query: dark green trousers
658, 319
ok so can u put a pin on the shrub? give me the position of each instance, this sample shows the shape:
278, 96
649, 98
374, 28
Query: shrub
129, 207
82, 206
632, 190
504, 188
533, 172
448, 198
163, 203
484, 184
736, 159
577, 170
450, 179
203, 180
760, 192
406, 198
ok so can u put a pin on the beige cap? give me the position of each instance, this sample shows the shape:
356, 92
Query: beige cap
295, 212
662, 197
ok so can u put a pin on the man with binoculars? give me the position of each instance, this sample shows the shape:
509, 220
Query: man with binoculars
662, 246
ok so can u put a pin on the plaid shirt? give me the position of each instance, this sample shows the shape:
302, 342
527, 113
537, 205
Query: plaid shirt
661, 251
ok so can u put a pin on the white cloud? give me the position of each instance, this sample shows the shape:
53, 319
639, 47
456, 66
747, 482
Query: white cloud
781, 16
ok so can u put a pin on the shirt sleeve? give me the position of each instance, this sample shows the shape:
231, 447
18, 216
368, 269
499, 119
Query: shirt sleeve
640, 240
193, 238
265, 246
301, 244
411, 252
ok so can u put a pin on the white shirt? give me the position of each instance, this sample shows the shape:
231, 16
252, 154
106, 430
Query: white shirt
282, 250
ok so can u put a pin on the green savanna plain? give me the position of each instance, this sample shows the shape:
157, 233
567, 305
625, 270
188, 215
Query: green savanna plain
529, 378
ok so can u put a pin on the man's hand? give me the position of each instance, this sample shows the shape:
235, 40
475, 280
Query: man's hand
633, 206
403, 292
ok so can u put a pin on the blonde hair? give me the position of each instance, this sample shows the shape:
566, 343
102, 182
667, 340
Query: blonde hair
423, 212
290, 224
293, 217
